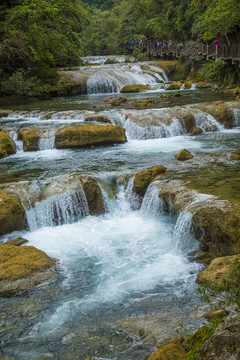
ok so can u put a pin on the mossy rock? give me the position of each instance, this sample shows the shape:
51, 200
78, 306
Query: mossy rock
188, 85
135, 88
165, 96
23, 267
184, 155
16, 242
30, 139
12, 213
7, 145
235, 155
118, 101
144, 178
203, 85
78, 136
169, 352
196, 131
178, 94
217, 314
174, 86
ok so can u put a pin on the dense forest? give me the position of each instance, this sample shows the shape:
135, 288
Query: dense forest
38, 36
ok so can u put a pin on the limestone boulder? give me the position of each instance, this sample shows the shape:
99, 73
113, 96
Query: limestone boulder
78, 136
16, 242
217, 270
7, 145
98, 119
90, 186
30, 138
12, 213
184, 155
174, 86
24, 267
215, 223
144, 178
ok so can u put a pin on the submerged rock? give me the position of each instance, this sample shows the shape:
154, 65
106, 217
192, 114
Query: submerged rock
178, 93
144, 178
135, 88
184, 155
87, 135
235, 155
118, 101
7, 145
22, 268
12, 213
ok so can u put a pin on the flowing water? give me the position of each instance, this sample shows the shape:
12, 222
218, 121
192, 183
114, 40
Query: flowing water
132, 261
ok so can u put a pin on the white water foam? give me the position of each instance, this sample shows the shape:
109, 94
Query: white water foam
207, 122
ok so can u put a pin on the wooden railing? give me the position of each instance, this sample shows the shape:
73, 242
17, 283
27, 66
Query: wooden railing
223, 52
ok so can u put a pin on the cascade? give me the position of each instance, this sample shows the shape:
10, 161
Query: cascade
151, 203
58, 209
46, 143
236, 117
207, 122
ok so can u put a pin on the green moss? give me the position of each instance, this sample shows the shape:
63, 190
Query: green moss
135, 88
144, 178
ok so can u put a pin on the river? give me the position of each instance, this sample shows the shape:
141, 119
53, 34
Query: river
122, 269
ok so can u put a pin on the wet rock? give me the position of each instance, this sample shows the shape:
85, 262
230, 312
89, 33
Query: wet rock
7, 358
196, 131
188, 85
98, 118
135, 88
7, 145
24, 267
144, 178
225, 341
5, 113
154, 328
16, 242
184, 155
209, 126
169, 352
88, 135
235, 155
12, 213
217, 270
118, 101
90, 186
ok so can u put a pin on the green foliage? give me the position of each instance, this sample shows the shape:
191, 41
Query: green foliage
21, 86
230, 285
213, 70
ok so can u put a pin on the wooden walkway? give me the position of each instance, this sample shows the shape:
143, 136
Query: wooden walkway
223, 52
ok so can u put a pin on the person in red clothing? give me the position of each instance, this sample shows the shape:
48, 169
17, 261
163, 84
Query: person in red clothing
218, 43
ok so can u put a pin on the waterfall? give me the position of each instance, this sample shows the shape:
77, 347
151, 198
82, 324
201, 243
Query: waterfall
46, 143
182, 240
151, 203
207, 122
59, 209
236, 117
137, 132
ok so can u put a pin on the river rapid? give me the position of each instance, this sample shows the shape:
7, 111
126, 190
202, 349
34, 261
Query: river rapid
129, 271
